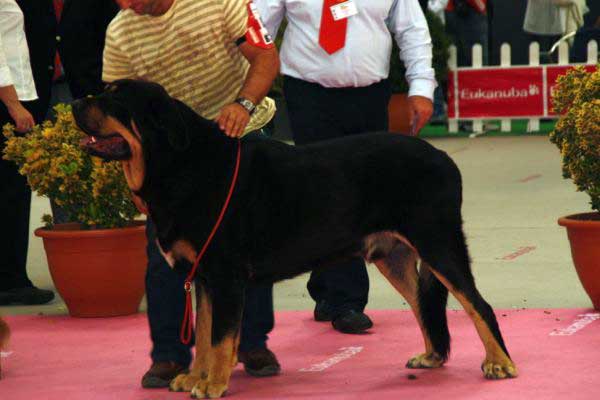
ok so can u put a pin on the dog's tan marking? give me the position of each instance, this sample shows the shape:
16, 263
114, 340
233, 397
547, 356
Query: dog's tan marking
200, 370
404, 278
180, 249
223, 358
4, 336
497, 364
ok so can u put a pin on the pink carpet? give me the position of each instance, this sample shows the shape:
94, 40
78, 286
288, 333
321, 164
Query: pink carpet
557, 353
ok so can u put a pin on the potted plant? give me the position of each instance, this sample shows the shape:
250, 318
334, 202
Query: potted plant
399, 115
577, 135
97, 264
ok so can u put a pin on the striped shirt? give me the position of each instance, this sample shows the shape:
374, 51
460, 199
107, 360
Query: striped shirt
190, 50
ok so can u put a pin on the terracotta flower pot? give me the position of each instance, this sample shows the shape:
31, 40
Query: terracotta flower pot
98, 273
584, 235
399, 114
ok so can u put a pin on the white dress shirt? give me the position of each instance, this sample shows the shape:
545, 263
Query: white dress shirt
365, 58
15, 68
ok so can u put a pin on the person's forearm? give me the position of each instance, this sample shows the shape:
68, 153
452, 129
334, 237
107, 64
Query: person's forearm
8, 96
263, 71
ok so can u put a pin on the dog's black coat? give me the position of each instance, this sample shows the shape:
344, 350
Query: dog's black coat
294, 208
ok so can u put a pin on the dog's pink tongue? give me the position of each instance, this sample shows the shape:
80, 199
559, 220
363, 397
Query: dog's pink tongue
114, 147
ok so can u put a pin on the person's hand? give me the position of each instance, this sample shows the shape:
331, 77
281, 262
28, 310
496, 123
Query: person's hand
140, 204
23, 118
421, 109
233, 119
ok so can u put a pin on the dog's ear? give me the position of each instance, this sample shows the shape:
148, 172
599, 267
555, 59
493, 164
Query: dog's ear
165, 117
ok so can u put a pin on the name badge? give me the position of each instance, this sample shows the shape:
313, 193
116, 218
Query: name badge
343, 10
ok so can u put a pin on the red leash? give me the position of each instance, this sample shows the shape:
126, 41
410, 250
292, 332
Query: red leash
188, 317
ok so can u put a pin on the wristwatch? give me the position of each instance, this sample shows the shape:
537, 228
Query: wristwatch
247, 104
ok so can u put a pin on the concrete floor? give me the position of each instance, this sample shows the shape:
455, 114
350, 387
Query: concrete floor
513, 194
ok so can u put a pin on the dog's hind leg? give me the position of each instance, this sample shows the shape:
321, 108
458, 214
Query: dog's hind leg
449, 261
397, 261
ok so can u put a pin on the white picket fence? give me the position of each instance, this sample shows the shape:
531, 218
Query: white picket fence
505, 63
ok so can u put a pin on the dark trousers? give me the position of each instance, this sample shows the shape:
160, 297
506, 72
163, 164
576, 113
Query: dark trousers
318, 113
466, 31
15, 202
166, 303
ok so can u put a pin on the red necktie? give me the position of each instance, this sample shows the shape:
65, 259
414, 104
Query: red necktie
332, 34
58, 7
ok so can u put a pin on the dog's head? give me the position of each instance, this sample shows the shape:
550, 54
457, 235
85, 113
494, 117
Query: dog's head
127, 118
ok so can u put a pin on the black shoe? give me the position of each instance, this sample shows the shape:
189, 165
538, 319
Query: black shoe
352, 322
259, 362
161, 373
322, 311
26, 295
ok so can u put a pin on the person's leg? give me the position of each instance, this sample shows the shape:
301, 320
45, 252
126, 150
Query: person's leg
166, 304
348, 282
15, 201
316, 113
257, 322
311, 122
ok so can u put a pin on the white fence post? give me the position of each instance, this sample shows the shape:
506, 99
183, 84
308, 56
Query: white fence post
505, 61
592, 50
477, 56
533, 125
452, 65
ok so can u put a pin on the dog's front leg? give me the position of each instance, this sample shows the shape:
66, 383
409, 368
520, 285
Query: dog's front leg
217, 354
199, 371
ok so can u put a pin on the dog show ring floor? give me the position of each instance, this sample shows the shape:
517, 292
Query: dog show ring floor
556, 352
513, 195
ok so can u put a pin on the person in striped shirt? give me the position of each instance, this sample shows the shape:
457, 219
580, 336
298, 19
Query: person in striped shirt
214, 56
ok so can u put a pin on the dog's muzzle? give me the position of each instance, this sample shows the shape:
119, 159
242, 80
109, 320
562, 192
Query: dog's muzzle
113, 147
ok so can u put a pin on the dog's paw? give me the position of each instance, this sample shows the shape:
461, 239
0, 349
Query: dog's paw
496, 370
425, 360
184, 382
208, 390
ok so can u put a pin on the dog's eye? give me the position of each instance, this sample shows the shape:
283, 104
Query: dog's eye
110, 87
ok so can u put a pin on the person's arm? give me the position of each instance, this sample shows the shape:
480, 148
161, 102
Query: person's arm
272, 13
264, 67
409, 27
8, 95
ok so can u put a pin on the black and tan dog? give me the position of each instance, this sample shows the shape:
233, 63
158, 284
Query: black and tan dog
393, 199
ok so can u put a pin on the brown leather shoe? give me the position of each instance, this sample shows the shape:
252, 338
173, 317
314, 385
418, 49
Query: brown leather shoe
259, 362
161, 373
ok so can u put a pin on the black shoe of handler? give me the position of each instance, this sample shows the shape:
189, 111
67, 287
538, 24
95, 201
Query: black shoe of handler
29, 295
322, 312
352, 322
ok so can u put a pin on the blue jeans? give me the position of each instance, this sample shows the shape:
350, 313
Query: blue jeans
166, 304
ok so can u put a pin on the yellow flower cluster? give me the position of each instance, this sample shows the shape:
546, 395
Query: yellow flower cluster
577, 132
92, 192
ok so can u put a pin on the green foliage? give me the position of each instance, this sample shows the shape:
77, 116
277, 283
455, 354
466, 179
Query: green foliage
577, 133
91, 191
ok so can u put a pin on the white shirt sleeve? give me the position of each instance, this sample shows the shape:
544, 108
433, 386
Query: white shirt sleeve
5, 76
271, 12
409, 27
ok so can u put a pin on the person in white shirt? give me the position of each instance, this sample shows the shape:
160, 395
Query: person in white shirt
335, 84
17, 94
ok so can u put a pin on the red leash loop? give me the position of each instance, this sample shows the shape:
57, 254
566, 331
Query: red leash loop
188, 316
